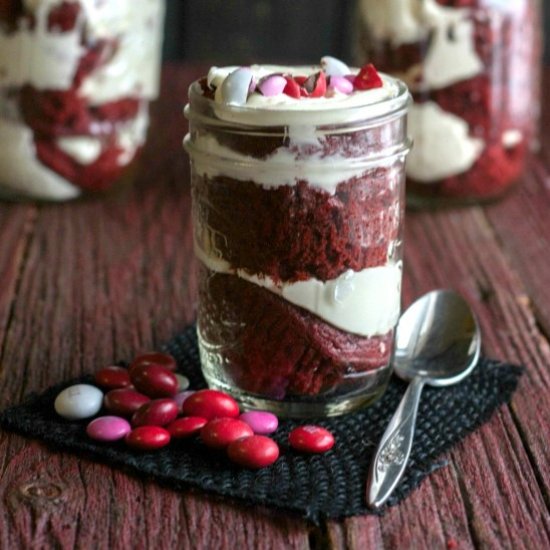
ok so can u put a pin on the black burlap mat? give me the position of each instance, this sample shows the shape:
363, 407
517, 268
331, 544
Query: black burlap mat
331, 485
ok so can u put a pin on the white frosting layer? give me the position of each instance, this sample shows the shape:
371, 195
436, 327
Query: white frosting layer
35, 56
210, 159
134, 68
366, 302
21, 174
451, 56
83, 149
131, 135
48, 60
281, 110
442, 144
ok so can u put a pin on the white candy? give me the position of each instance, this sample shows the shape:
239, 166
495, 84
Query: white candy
235, 88
79, 401
334, 67
183, 382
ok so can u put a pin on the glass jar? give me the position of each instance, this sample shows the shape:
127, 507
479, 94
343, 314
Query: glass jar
473, 67
76, 79
297, 219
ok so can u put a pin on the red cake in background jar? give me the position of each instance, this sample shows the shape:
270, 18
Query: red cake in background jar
297, 186
76, 78
473, 67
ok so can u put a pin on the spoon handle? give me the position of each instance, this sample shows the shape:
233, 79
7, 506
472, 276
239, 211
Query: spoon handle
394, 449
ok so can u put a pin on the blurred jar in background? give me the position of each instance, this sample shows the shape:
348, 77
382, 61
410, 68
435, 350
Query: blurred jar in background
473, 67
76, 78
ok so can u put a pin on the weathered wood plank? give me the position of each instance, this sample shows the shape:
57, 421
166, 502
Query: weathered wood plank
16, 223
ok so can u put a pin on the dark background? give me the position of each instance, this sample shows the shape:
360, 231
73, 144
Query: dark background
244, 31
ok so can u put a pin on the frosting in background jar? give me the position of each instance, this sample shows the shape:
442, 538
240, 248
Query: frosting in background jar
47, 57
450, 58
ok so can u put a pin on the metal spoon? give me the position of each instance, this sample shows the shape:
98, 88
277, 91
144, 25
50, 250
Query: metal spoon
437, 343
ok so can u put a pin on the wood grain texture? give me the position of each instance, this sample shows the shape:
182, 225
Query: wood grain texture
87, 283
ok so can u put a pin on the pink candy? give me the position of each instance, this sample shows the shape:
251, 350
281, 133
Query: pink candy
272, 85
108, 428
341, 84
261, 422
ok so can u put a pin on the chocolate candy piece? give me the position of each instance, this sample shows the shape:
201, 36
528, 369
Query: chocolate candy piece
78, 401
154, 358
148, 438
186, 426
108, 428
311, 439
154, 380
210, 404
257, 451
112, 378
158, 412
220, 432
124, 402
261, 422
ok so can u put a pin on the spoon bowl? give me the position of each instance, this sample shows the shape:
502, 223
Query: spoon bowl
437, 339
437, 342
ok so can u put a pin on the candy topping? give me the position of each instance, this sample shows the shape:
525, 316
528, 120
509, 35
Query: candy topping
272, 85
368, 78
236, 87
334, 78
333, 66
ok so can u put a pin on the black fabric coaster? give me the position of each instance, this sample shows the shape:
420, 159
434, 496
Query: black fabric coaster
331, 485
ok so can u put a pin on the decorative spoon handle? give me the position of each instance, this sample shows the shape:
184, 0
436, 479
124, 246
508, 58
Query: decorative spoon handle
394, 449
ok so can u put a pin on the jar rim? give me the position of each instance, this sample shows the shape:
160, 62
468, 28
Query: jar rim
211, 112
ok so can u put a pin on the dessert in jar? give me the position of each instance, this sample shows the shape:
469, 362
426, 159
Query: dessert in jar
76, 78
473, 67
297, 187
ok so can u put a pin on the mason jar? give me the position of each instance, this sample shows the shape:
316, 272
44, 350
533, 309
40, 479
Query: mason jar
297, 217
473, 67
76, 79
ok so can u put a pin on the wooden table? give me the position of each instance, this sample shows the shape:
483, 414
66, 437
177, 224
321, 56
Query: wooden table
84, 283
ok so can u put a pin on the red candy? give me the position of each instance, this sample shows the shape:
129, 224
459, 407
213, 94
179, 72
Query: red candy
154, 358
112, 378
210, 404
292, 88
311, 439
220, 432
368, 78
148, 438
257, 451
154, 380
124, 402
158, 412
186, 427
316, 85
